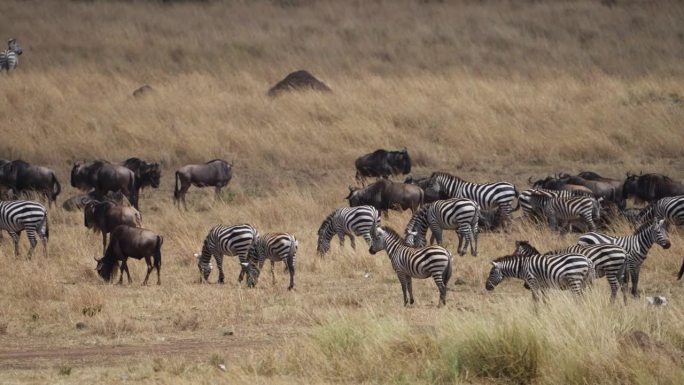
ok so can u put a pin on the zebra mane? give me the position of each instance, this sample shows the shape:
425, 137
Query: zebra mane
392, 233
506, 258
526, 245
442, 173
644, 226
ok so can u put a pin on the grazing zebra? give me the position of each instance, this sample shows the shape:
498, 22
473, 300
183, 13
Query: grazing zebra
408, 262
608, 261
489, 196
349, 221
561, 271
572, 208
225, 240
9, 58
460, 214
16, 216
532, 200
275, 247
671, 209
636, 246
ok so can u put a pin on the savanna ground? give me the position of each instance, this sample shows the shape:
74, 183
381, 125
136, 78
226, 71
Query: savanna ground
486, 90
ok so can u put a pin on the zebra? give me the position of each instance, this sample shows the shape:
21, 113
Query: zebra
349, 221
636, 245
532, 202
9, 58
489, 196
16, 216
275, 247
572, 208
408, 262
460, 214
561, 271
222, 240
671, 209
607, 261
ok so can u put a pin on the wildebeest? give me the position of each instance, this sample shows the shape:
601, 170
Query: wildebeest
103, 217
650, 187
146, 174
385, 195
77, 202
131, 242
382, 163
217, 173
20, 176
429, 194
606, 188
103, 177
554, 183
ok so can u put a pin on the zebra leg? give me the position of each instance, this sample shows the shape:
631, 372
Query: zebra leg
613, 282
31, 233
436, 232
635, 281
439, 281
402, 280
409, 287
15, 239
475, 231
219, 265
590, 222
242, 259
291, 270
352, 241
459, 235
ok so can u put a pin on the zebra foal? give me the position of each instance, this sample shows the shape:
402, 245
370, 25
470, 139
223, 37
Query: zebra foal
347, 221
17, 216
223, 240
274, 247
408, 262
9, 58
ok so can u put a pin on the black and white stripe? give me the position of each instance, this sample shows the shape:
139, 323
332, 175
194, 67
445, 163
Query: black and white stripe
636, 246
223, 240
567, 210
274, 247
671, 209
408, 262
490, 196
16, 216
460, 214
608, 261
9, 58
563, 271
532, 200
349, 221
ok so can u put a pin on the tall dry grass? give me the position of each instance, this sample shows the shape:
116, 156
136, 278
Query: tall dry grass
487, 90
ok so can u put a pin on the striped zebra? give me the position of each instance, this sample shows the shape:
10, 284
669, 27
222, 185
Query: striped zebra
9, 58
636, 245
460, 214
490, 196
16, 216
608, 261
671, 209
408, 262
349, 221
275, 247
571, 209
225, 240
562, 271
532, 200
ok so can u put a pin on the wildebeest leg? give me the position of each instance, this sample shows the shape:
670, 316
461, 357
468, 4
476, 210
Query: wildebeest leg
217, 193
31, 233
148, 261
15, 239
122, 269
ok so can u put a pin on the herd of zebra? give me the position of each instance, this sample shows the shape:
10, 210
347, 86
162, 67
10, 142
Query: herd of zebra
460, 207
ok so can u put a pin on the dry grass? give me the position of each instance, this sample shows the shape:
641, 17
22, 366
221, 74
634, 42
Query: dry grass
485, 90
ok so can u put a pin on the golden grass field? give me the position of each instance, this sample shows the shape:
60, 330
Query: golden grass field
485, 90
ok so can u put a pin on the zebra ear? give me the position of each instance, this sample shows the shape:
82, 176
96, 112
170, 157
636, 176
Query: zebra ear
493, 264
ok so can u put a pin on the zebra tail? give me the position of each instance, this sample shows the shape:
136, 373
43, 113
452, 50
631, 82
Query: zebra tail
56, 188
517, 198
681, 271
47, 230
446, 275
157, 251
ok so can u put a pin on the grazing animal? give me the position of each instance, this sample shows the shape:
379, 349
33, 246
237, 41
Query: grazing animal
489, 196
608, 189
16, 216
131, 242
607, 260
671, 209
9, 58
78, 202
20, 176
562, 271
460, 214
424, 182
217, 173
408, 262
650, 187
103, 217
553, 183
385, 195
146, 174
382, 164
572, 208
225, 240
347, 221
636, 246
274, 247
532, 201
103, 177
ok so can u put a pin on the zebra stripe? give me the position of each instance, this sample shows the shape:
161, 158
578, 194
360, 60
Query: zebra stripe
349, 221
532, 202
460, 214
275, 247
671, 209
570, 209
561, 271
489, 196
608, 261
636, 245
225, 240
16, 216
408, 263
9, 58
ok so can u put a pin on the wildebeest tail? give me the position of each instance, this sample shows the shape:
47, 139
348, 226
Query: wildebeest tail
157, 251
176, 190
56, 188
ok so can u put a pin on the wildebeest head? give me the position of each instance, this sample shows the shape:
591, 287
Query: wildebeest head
150, 173
401, 161
354, 196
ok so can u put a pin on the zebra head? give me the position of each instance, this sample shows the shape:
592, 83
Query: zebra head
659, 230
13, 46
379, 241
524, 249
252, 267
495, 276
204, 267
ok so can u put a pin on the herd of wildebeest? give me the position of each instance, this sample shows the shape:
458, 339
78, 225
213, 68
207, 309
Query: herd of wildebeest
586, 202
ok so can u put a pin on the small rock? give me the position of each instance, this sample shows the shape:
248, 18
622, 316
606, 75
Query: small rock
142, 91
81, 325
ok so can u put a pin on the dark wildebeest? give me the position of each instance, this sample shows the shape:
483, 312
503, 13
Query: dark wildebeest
382, 163
553, 183
103, 177
19, 176
650, 187
77, 202
146, 174
103, 217
217, 173
608, 189
130, 242
429, 194
385, 195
